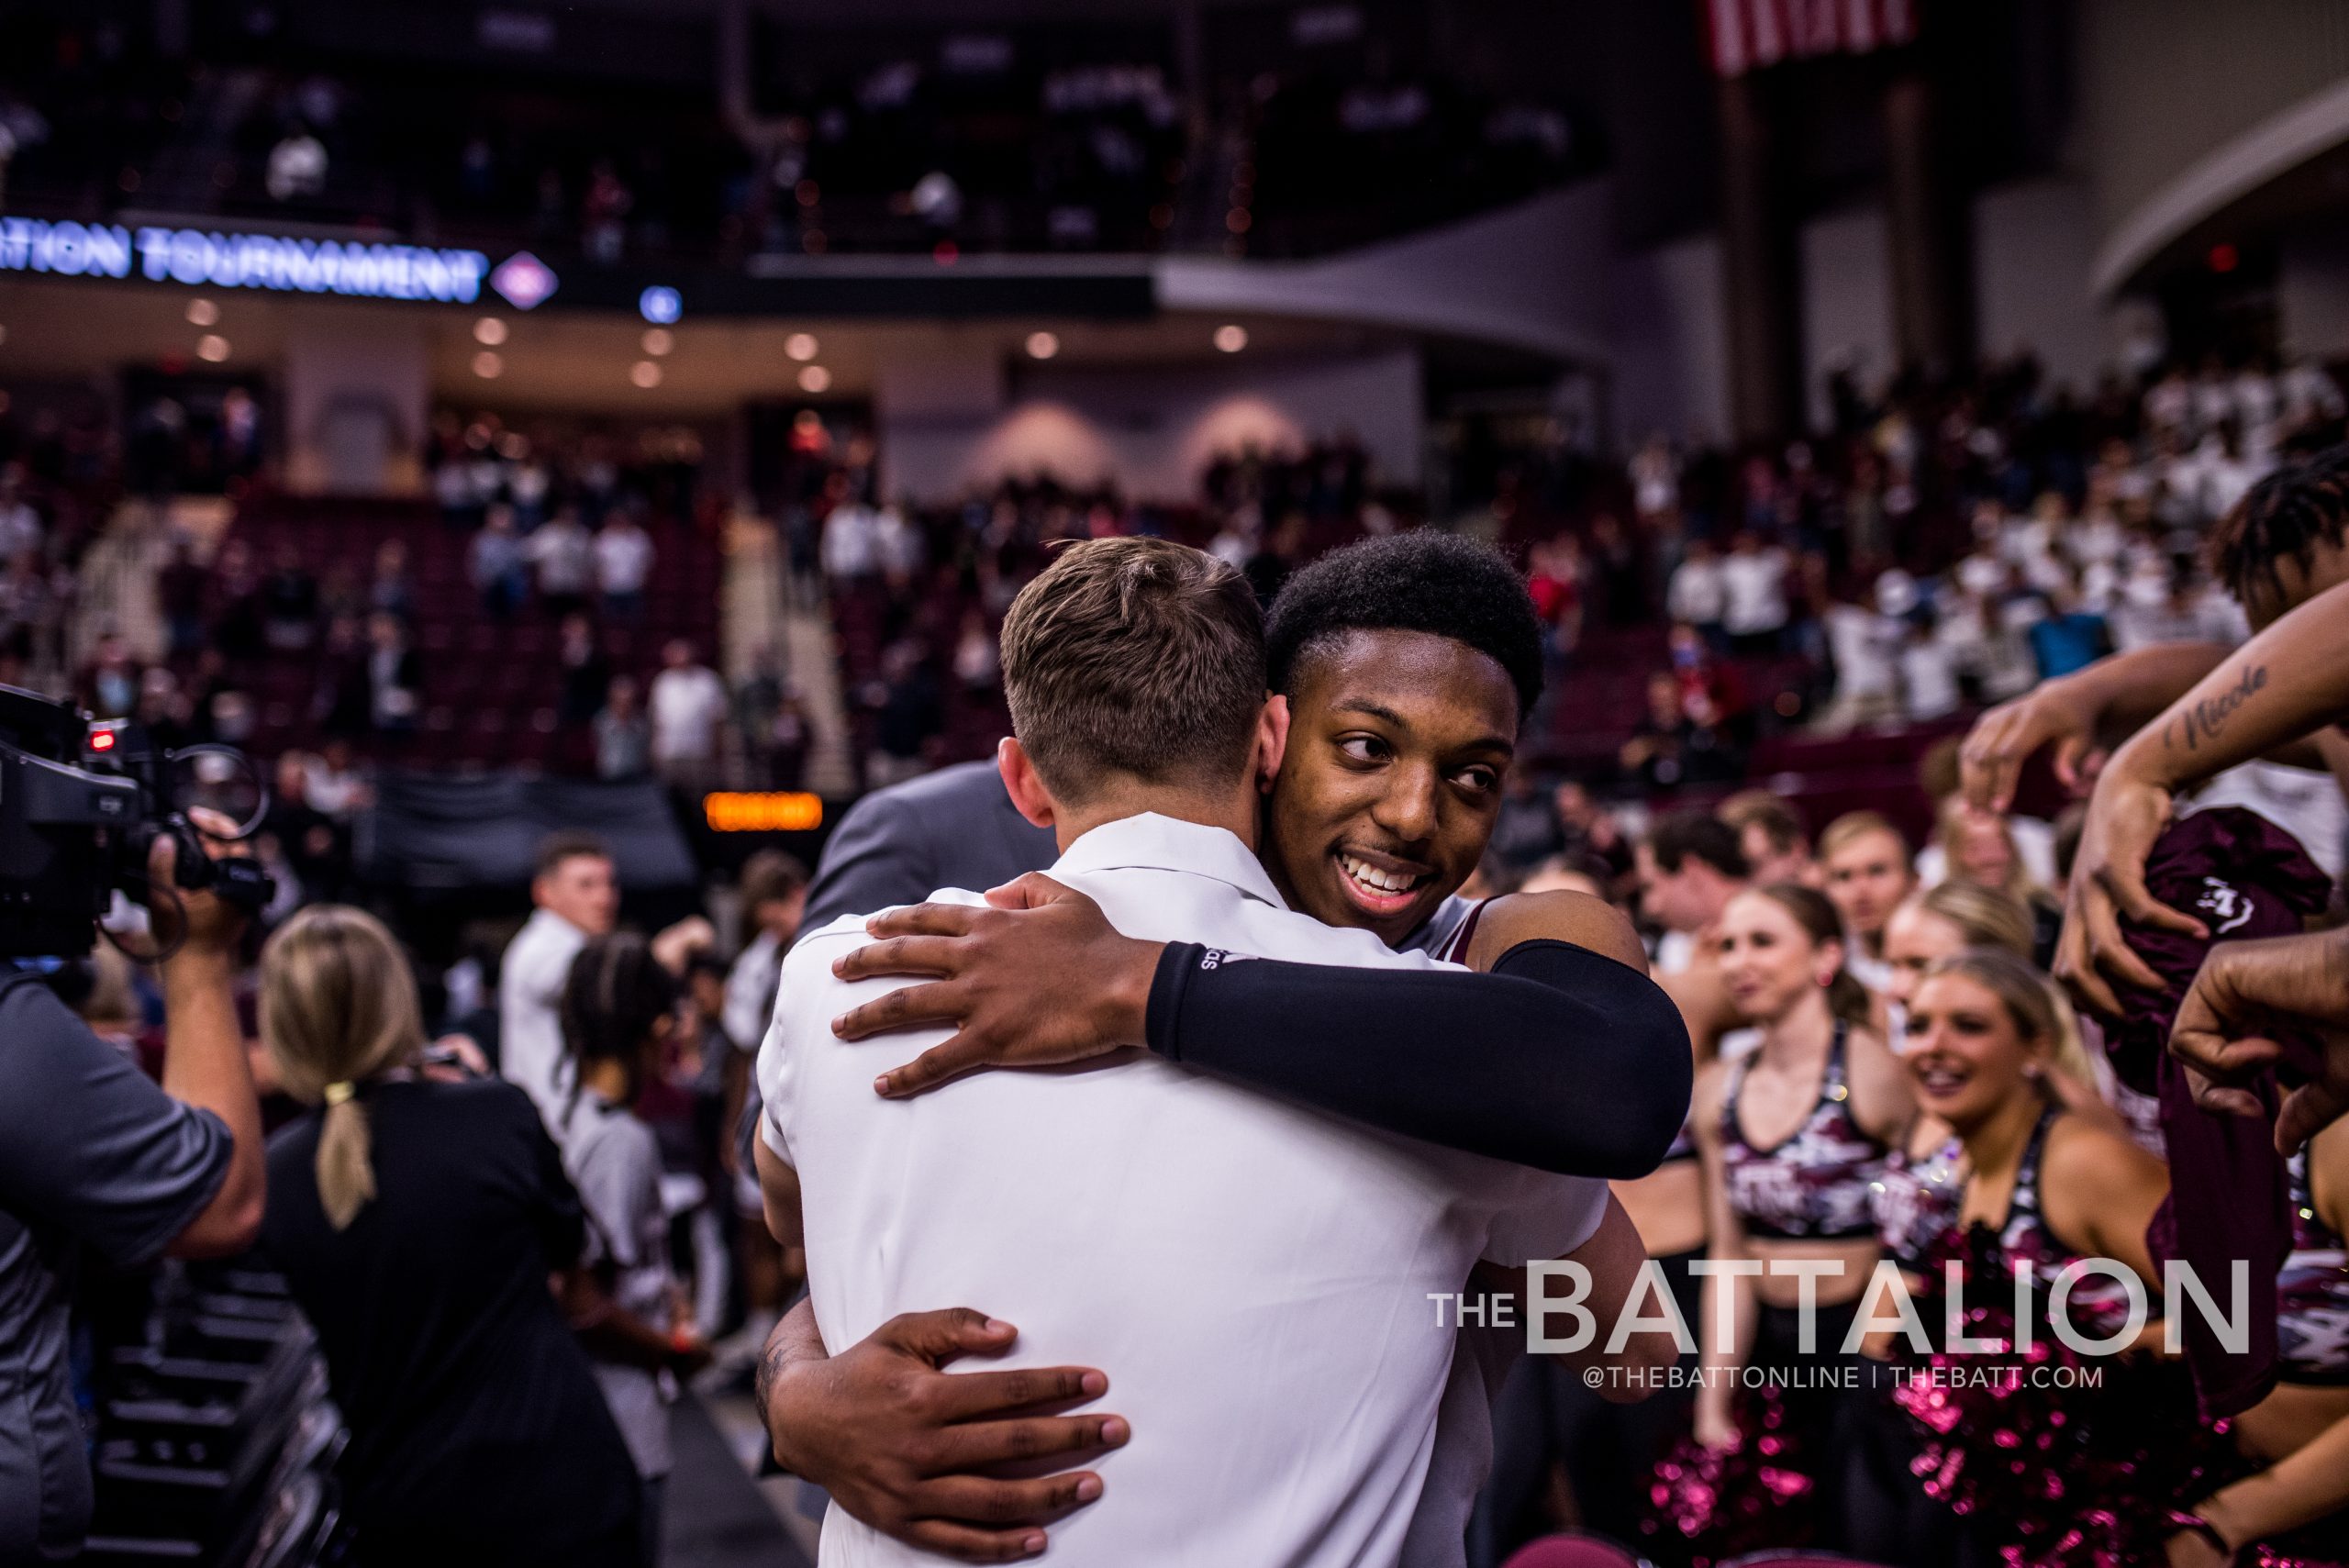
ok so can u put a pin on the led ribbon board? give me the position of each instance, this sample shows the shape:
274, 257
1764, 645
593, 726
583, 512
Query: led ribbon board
364, 270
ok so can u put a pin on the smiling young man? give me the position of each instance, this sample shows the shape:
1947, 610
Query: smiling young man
1406, 664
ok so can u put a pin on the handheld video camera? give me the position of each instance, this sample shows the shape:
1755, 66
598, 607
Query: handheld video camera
81, 803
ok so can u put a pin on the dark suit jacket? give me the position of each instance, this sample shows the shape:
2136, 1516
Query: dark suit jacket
955, 827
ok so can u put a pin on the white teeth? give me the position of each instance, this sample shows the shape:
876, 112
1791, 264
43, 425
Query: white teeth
1378, 881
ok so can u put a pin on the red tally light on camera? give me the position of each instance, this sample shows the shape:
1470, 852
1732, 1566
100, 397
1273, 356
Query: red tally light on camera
102, 739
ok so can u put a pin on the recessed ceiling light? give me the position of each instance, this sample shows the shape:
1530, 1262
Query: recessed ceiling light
800, 346
201, 313
645, 374
815, 378
659, 341
211, 347
1042, 345
489, 331
1232, 338
488, 366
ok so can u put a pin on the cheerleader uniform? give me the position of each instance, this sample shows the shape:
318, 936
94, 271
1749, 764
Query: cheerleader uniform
2054, 1460
1817, 1184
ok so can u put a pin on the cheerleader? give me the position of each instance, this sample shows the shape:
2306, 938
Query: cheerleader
2045, 1189
1791, 1138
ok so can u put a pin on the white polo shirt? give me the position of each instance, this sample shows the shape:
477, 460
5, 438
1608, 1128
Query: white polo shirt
1254, 1276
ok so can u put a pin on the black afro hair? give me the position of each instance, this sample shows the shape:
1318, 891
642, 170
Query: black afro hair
1423, 580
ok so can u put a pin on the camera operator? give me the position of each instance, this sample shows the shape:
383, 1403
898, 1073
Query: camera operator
94, 1155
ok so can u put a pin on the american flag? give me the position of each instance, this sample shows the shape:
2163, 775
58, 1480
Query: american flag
1747, 35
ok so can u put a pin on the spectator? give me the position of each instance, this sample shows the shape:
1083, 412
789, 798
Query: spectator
21, 526
617, 1010
623, 736
852, 544
623, 566
1753, 580
978, 661
689, 706
1770, 832
2071, 639
334, 784
1866, 646
906, 715
495, 562
297, 165
394, 677
289, 603
578, 897
1928, 672
586, 674
564, 555
1698, 594
1689, 869
1525, 829
477, 1433
108, 684
1868, 872
181, 590
1587, 832
391, 590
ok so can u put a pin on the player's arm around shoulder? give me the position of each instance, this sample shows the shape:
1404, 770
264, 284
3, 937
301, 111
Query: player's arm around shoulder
1595, 1297
1576, 918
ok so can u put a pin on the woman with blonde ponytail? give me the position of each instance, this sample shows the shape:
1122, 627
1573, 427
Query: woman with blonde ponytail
417, 1222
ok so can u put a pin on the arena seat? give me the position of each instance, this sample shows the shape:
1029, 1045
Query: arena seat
1572, 1551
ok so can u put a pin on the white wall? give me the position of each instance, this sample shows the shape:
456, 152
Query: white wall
2034, 244
1155, 430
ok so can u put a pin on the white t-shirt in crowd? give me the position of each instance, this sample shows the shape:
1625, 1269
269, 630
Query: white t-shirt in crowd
623, 559
529, 1002
1866, 646
1215, 1234
1758, 592
851, 542
686, 707
1697, 595
563, 553
1928, 680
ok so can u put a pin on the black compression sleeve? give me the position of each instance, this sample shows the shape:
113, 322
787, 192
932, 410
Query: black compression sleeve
1559, 1059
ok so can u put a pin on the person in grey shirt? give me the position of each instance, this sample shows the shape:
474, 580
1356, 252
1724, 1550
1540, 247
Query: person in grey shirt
955, 827
93, 1153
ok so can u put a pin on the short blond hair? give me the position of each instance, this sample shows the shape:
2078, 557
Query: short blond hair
1138, 658
1854, 825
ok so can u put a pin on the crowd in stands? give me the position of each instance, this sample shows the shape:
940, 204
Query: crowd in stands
984, 143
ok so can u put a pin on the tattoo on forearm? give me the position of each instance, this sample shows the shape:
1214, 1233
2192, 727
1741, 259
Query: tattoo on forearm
770, 1359
2204, 720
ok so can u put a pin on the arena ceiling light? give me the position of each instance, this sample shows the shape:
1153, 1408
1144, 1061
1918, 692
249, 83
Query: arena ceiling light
659, 341
1042, 345
1232, 338
212, 348
815, 378
800, 346
645, 374
201, 313
661, 304
488, 366
489, 331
